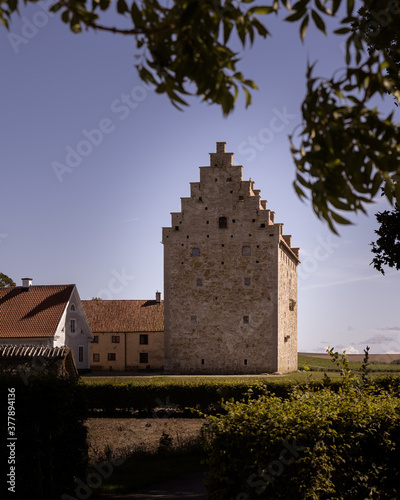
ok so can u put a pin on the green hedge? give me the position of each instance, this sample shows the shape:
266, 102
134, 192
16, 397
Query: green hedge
169, 398
50, 450
313, 445
159, 398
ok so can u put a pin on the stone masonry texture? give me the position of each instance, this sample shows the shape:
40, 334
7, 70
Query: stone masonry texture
230, 279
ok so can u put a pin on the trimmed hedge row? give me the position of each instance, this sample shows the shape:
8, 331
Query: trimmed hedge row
318, 445
50, 449
159, 399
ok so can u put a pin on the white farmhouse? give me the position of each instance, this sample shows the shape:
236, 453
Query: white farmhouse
45, 315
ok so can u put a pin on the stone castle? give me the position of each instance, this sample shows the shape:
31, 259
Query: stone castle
230, 279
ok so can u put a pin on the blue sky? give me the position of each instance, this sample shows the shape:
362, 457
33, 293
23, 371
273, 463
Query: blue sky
99, 223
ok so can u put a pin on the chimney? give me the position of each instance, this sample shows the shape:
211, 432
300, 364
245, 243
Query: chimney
26, 283
158, 297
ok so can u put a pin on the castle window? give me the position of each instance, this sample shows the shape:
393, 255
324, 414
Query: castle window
115, 339
233, 220
247, 281
111, 356
199, 282
262, 225
245, 362
271, 234
216, 180
144, 357
246, 320
95, 339
193, 320
223, 223
292, 304
202, 361
229, 179
72, 307
195, 252
80, 354
241, 198
253, 220
200, 198
246, 250
143, 338
96, 358
208, 222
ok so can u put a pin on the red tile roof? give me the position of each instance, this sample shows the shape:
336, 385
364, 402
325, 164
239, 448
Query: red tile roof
121, 316
31, 313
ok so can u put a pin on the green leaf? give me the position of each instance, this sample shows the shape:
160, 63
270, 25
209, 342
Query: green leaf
318, 21
122, 7
342, 31
295, 16
65, 16
303, 27
137, 16
261, 10
350, 7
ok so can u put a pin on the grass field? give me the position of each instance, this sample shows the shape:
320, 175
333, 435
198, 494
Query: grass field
317, 366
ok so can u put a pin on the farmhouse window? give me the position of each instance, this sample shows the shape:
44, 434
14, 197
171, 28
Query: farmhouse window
72, 326
96, 358
144, 338
144, 357
80, 354
111, 356
95, 339
115, 339
223, 223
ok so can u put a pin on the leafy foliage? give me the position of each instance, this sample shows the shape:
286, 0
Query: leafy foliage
387, 246
346, 149
5, 281
51, 445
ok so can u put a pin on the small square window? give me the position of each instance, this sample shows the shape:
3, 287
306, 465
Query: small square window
200, 198
115, 339
195, 252
216, 180
199, 282
176, 228
246, 250
262, 225
143, 338
111, 356
144, 357
96, 358
193, 319
253, 220
223, 223
95, 339
233, 220
241, 198
247, 281
246, 320
208, 222
229, 179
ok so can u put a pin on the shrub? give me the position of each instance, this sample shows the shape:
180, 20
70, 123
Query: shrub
313, 445
51, 445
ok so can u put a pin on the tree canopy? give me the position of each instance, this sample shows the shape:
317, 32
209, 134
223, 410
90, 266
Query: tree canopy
5, 281
345, 150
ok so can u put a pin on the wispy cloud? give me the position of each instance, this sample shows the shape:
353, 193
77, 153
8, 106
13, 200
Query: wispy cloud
377, 339
347, 281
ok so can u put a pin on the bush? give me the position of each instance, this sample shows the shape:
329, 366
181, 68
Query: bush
313, 445
51, 445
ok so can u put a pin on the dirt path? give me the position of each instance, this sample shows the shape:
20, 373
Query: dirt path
189, 487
